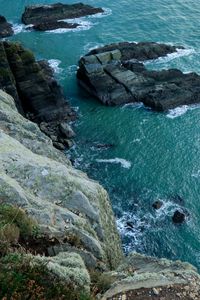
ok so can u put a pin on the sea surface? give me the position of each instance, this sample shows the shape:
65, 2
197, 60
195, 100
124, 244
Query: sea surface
151, 155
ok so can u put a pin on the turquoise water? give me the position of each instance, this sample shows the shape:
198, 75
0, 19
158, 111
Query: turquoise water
159, 151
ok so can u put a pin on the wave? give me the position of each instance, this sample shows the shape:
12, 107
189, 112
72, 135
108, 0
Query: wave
106, 12
180, 110
83, 25
54, 64
171, 56
133, 105
124, 163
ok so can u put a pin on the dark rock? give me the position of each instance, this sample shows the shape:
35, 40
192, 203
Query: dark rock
157, 204
178, 217
48, 17
59, 146
66, 130
54, 25
37, 94
5, 28
104, 146
115, 75
129, 225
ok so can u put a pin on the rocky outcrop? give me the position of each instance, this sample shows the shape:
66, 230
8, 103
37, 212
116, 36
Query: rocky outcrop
37, 94
115, 75
141, 277
5, 28
71, 209
48, 17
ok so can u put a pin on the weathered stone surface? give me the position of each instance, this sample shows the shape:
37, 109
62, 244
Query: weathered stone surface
5, 28
115, 75
48, 17
37, 94
157, 204
67, 205
143, 272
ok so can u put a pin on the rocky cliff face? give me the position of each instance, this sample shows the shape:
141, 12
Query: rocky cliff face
37, 94
69, 207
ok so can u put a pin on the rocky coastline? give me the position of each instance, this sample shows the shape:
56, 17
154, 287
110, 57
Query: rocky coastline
76, 227
49, 17
58, 233
116, 74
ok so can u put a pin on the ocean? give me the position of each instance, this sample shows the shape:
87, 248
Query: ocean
150, 156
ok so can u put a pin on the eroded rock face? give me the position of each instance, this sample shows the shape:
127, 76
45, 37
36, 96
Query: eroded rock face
35, 90
115, 75
141, 277
68, 206
47, 17
5, 28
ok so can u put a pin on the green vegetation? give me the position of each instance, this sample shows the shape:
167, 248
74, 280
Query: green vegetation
20, 279
101, 282
14, 224
4, 73
27, 56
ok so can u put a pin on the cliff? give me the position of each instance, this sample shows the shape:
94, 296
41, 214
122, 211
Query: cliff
76, 244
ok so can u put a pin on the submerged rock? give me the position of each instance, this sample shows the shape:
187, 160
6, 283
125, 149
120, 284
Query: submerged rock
5, 28
178, 217
157, 204
115, 75
48, 17
37, 94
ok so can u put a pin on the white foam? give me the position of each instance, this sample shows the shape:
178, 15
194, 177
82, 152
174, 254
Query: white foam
18, 28
83, 25
72, 69
180, 110
106, 12
124, 163
133, 105
54, 64
196, 174
172, 56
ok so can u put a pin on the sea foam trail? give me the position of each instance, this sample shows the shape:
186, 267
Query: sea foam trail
172, 56
54, 64
124, 163
180, 110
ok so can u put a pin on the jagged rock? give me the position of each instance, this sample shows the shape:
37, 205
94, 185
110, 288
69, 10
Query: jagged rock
178, 217
5, 28
48, 17
36, 177
37, 94
115, 75
66, 130
139, 273
157, 204
54, 25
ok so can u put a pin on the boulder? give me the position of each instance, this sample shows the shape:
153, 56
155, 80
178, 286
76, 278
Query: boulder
116, 75
49, 17
178, 217
5, 28
157, 204
37, 94
54, 25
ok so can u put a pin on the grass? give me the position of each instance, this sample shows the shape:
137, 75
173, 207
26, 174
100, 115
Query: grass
19, 279
14, 224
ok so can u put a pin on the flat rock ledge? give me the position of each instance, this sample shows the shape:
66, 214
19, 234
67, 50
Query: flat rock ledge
116, 74
51, 17
37, 94
5, 28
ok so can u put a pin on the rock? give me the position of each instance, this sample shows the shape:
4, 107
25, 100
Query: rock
66, 130
5, 28
115, 75
54, 25
155, 291
36, 92
157, 204
67, 205
178, 217
49, 17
